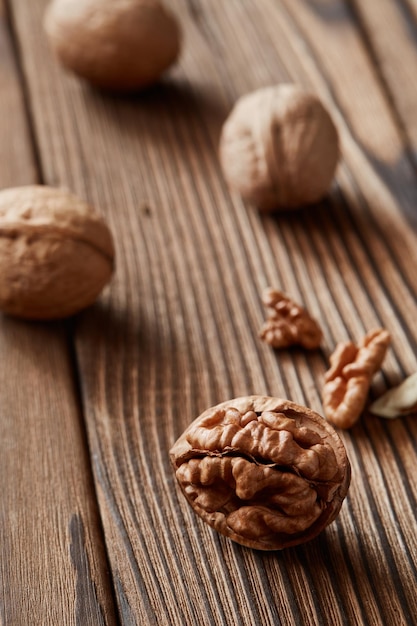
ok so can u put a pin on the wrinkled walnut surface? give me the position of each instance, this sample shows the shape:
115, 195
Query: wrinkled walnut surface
279, 148
262, 471
347, 382
56, 253
288, 323
120, 45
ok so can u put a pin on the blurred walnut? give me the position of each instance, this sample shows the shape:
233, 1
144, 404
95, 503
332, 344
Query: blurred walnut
288, 323
279, 148
262, 471
348, 380
397, 401
56, 253
114, 44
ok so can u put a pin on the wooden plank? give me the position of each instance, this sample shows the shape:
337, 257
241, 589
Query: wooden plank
390, 29
177, 330
53, 567
16, 156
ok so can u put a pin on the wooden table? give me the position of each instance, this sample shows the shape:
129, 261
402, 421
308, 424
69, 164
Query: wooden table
93, 528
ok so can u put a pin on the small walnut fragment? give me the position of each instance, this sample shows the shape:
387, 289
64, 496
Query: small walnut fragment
398, 401
288, 323
348, 380
265, 472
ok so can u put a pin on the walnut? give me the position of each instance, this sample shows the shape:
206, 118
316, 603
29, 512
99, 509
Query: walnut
288, 323
114, 44
348, 380
397, 401
262, 471
56, 253
279, 148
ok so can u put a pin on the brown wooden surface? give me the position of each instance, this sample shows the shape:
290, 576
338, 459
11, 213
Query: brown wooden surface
53, 567
177, 330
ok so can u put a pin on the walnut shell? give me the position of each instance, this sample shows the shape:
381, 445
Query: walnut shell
56, 253
399, 401
265, 472
279, 148
119, 45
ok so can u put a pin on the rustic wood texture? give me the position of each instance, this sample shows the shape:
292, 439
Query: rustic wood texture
177, 330
390, 29
53, 567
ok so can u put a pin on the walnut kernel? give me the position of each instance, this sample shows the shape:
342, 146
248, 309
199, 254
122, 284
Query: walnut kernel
288, 323
265, 472
347, 382
56, 253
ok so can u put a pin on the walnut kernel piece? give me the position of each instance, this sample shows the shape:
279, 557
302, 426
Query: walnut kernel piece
288, 323
56, 253
265, 472
347, 382
398, 401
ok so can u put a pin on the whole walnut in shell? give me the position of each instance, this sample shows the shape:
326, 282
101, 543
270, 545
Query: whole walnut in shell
262, 471
120, 45
279, 148
56, 253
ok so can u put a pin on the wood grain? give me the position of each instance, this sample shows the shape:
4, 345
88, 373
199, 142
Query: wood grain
53, 567
16, 154
391, 32
177, 330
